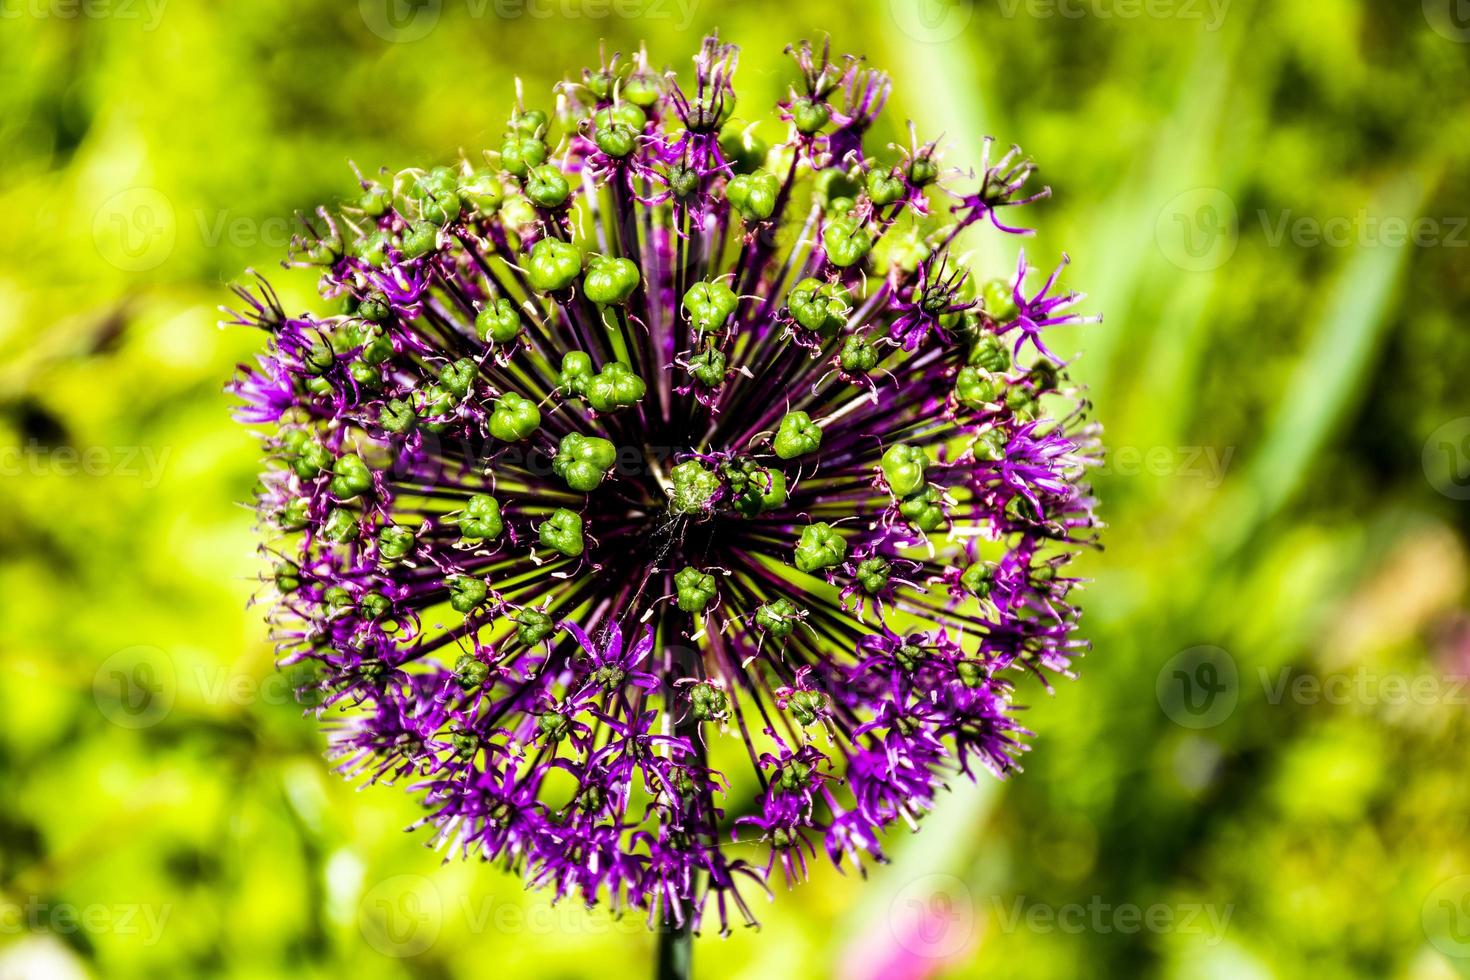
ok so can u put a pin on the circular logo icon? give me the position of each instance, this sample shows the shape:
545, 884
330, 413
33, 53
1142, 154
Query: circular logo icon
1198, 230
1450, 19
400, 21
933, 916
1447, 458
134, 229
1446, 917
1198, 687
401, 916
135, 688
931, 21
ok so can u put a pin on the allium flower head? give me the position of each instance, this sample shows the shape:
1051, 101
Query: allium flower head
664, 507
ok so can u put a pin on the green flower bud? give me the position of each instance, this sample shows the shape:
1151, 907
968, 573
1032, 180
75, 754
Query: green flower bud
694, 487
845, 241
576, 372
695, 589
469, 673
978, 579
499, 321
753, 195
990, 354
373, 605
835, 190
532, 626
312, 459
459, 377
742, 149
583, 461
820, 547
365, 375
295, 515
809, 115
884, 187
975, 388
318, 359
482, 191
377, 347
374, 308
395, 543
466, 592
397, 416
547, 186
615, 139
528, 122
562, 532
337, 600
350, 477
708, 305
642, 89
923, 170
421, 238
990, 446
609, 282
873, 574
903, 468
480, 518
970, 673
858, 355
806, 707
519, 154
615, 387
514, 418
553, 265
375, 200
796, 436
778, 617
923, 510
553, 725
434, 402
821, 307
999, 301
340, 525
287, 577
759, 490
708, 368
707, 702
372, 248
683, 181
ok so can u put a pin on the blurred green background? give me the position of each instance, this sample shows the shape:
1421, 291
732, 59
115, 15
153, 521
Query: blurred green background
1260, 773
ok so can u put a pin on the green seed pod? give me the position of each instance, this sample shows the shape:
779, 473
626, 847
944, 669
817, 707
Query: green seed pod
562, 532
514, 418
797, 435
583, 461
820, 547
481, 518
499, 322
903, 468
696, 589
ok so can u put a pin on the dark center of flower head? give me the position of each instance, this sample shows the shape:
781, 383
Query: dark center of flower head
638, 431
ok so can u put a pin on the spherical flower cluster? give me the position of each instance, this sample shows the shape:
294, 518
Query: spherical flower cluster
664, 506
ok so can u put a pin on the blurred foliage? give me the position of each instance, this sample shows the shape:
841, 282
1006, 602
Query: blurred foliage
1287, 421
